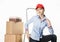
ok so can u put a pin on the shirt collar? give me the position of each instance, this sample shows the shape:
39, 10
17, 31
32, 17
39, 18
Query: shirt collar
43, 18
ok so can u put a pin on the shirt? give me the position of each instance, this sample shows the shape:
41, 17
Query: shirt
38, 27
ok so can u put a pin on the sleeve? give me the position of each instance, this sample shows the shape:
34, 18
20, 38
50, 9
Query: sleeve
51, 30
28, 22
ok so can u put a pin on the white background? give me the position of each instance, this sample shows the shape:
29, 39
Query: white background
17, 8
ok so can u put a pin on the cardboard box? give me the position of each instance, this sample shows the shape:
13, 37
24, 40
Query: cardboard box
14, 28
13, 38
15, 19
18, 28
9, 27
19, 38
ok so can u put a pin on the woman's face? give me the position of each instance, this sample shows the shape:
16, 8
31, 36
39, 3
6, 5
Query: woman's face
40, 11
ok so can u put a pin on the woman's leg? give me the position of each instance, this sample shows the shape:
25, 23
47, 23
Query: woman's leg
43, 39
54, 38
47, 38
31, 40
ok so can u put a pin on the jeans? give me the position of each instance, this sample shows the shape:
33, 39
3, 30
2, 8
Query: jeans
52, 38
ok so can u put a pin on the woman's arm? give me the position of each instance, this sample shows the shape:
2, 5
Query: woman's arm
26, 26
50, 26
28, 22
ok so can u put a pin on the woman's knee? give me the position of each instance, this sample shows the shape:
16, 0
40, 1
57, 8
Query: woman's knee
54, 36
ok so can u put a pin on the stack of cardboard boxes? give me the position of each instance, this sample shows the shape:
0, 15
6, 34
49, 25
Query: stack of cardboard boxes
14, 30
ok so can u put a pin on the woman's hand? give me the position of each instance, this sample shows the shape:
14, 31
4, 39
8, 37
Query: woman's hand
28, 36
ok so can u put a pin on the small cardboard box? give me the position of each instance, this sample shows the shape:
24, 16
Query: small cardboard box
13, 38
14, 28
15, 19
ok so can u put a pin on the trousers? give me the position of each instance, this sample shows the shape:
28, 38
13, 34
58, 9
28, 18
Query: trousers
52, 38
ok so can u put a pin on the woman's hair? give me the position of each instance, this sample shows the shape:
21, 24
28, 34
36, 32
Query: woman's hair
44, 15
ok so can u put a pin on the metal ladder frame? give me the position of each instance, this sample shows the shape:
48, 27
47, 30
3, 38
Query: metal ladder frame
27, 19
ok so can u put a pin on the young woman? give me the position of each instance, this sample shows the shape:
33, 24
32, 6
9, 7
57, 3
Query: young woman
39, 23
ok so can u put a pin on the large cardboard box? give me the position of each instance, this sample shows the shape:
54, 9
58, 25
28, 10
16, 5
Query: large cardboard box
18, 28
13, 38
10, 27
14, 28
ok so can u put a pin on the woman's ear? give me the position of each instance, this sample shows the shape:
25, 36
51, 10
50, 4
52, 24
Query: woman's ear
35, 9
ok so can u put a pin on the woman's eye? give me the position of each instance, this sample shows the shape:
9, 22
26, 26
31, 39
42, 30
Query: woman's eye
40, 9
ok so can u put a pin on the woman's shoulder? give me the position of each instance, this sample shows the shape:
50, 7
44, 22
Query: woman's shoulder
35, 16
